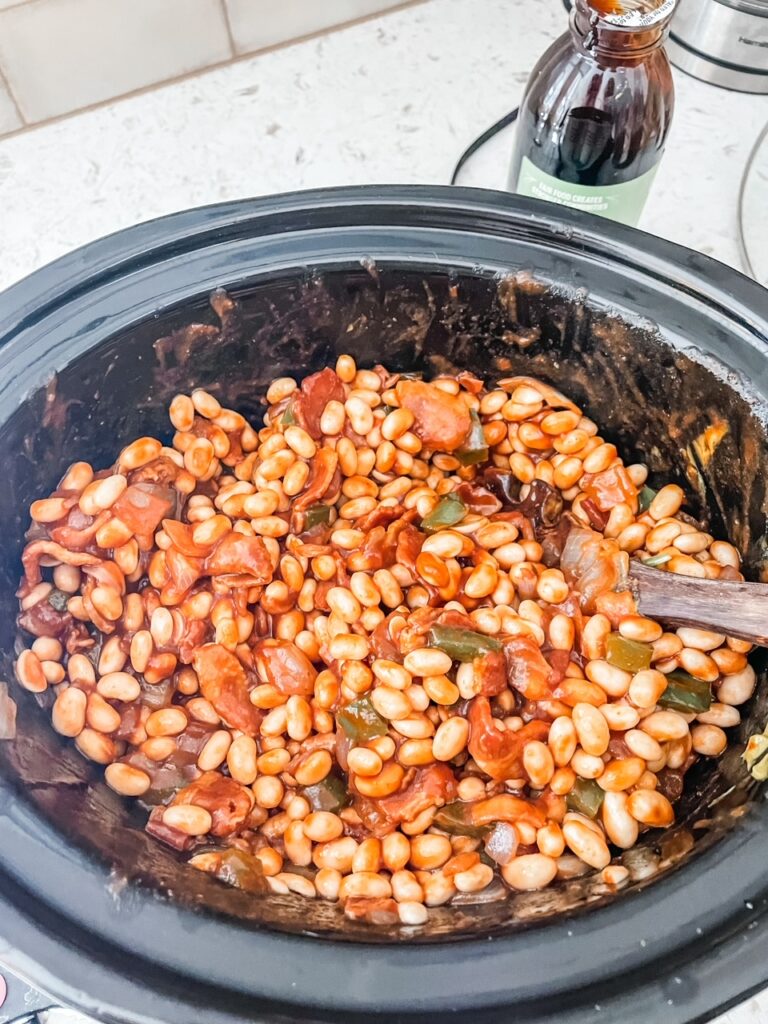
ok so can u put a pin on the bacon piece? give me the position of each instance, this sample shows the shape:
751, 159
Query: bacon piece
671, 783
172, 837
374, 552
378, 910
286, 667
143, 506
428, 787
131, 724
228, 802
527, 668
223, 682
408, 546
315, 393
593, 565
506, 807
183, 573
478, 498
195, 635
237, 560
597, 520
553, 541
39, 549
617, 746
616, 606
244, 560
181, 538
470, 382
611, 487
382, 515
76, 638
162, 471
491, 672
414, 634
441, 420
79, 530
322, 472
106, 574
382, 644
499, 752
42, 619
552, 805
558, 662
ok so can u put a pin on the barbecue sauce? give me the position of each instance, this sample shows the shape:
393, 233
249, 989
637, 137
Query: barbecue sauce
597, 110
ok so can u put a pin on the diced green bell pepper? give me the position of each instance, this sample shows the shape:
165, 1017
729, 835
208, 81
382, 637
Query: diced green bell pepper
447, 512
656, 561
329, 795
586, 797
455, 818
645, 497
475, 448
630, 655
461, 644
686, 693
289, 416
317, 515
361, 721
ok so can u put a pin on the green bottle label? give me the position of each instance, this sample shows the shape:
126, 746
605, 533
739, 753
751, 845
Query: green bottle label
623, 202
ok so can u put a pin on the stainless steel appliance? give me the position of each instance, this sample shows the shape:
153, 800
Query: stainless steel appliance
724, 42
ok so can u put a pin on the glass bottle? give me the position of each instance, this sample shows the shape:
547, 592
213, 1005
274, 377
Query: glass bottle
597, 109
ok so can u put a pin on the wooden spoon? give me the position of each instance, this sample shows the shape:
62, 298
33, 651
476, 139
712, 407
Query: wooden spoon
733, 607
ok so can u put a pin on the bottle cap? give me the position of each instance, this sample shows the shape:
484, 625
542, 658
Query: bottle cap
632, 14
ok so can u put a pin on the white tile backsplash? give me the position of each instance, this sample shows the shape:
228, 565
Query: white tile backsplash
259, 23
59, 55
9, 117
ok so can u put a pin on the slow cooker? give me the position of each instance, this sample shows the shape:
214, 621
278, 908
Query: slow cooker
724, 42
652, 339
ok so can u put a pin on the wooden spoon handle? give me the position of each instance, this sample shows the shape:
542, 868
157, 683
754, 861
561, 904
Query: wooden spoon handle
735, 608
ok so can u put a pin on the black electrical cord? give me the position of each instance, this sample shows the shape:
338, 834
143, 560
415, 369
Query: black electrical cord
32, 1017
488, 134
481, 140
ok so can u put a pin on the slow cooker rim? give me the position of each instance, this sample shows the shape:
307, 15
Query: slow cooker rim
736, 969
141, 244
694, 966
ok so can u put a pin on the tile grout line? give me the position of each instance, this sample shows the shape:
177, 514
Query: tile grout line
238, 58
4, 81
228, 26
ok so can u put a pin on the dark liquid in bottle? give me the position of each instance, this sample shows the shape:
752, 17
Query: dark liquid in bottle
595, 114
586, 144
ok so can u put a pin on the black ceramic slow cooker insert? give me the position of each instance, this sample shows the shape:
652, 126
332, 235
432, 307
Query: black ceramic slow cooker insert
652, 340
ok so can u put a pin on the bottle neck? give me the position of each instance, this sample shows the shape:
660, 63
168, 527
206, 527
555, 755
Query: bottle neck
614, 39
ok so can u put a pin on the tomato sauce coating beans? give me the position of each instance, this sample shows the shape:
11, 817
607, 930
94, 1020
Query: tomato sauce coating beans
379, 650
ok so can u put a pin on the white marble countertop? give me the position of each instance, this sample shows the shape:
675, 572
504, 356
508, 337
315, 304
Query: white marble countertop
392, 100
395, 99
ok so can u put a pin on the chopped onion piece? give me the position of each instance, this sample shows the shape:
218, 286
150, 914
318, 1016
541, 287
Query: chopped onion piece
7, 714
501, 844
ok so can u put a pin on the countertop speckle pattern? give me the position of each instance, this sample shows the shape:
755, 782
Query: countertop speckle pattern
395, 99
392, 100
